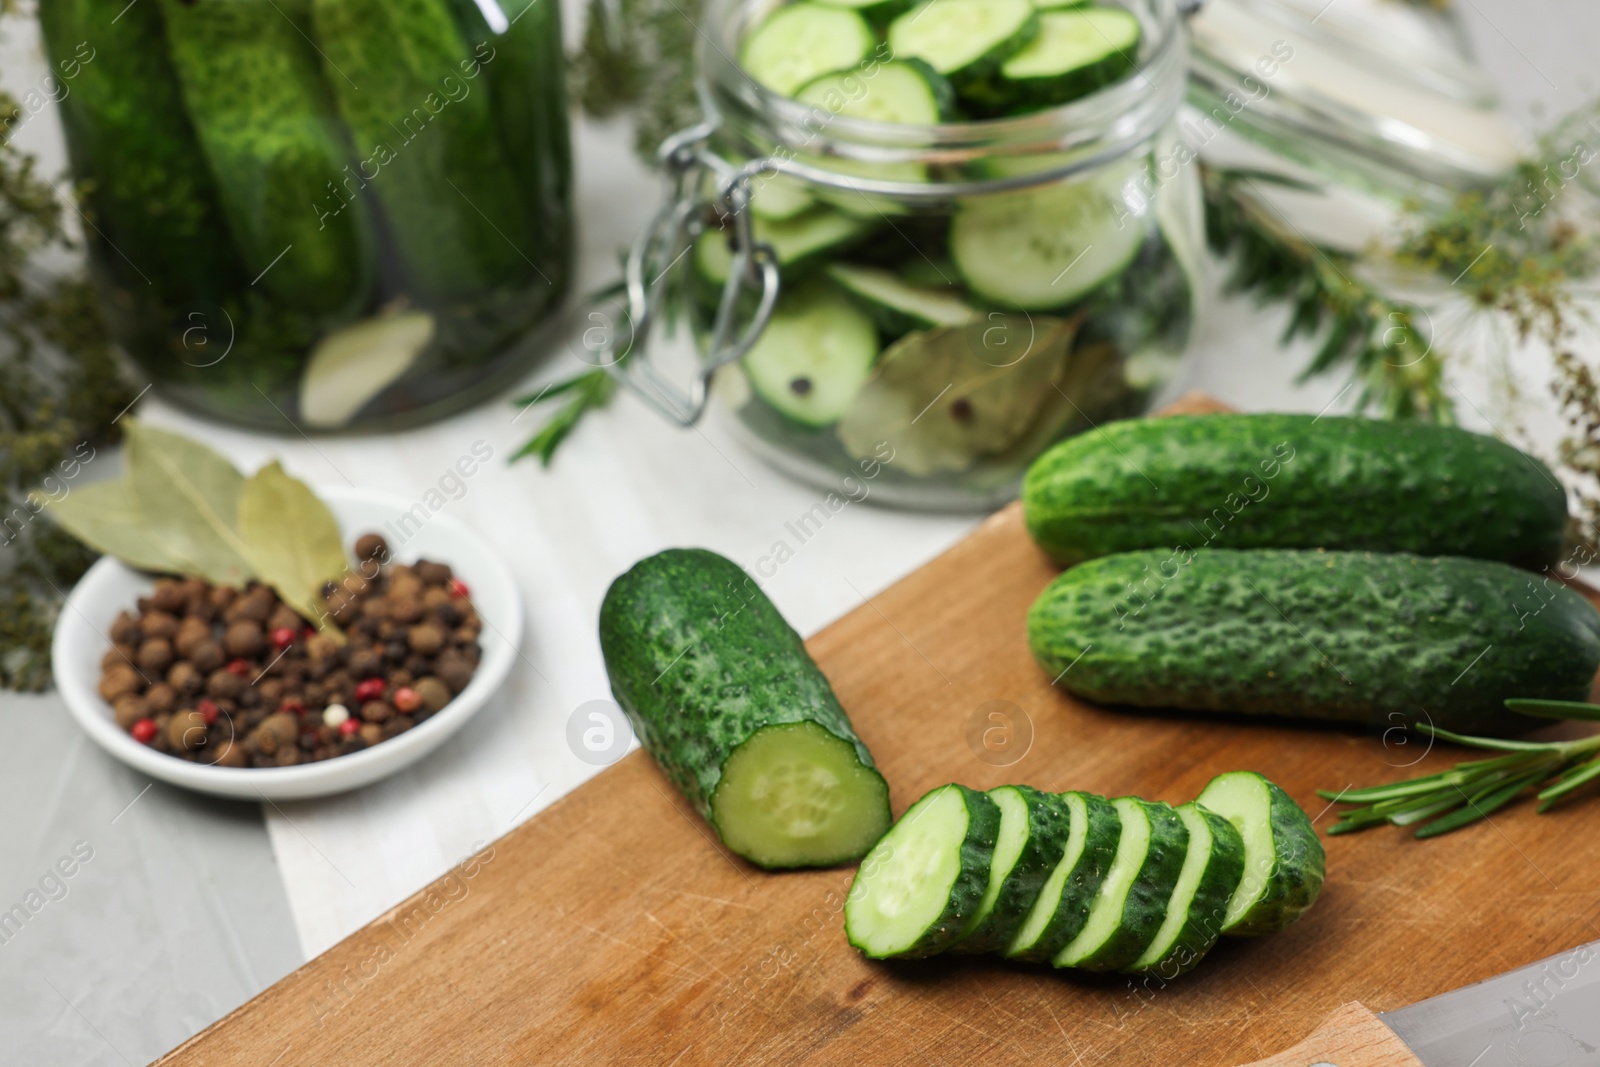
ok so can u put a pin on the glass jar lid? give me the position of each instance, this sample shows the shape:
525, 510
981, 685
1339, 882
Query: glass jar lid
1377, 93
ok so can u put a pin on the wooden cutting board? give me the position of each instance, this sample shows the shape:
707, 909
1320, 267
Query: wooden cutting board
613, 929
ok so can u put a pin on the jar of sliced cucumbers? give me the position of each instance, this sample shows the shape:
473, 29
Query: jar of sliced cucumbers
320, 215
928, 239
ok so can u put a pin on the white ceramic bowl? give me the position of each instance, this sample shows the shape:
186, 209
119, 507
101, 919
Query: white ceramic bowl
110, 587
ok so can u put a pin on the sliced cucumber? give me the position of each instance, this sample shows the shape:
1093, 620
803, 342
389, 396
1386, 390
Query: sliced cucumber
794, 240
1074, 53
1035, 829
965, 40
877, 12
1211, 871
1062, 907
897, 307
1042, 248
1284, 864
1058, 5
915, 891
802, 41
814, 356
1132, 902
936, 273
778, 196
907, 93
796, 795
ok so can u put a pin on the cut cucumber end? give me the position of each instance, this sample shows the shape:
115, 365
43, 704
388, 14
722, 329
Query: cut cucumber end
1243, 799
904, 885
1284, 864
1105, 915
795, 795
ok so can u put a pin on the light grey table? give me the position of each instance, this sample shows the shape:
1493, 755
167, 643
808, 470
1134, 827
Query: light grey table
174, 911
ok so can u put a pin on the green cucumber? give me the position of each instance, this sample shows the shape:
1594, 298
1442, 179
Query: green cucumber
776, 197
1131, 906
1060, 5
898, 307
1284, 865
1293, 481
906, 92
795, 241
920, 885
1198, 910
1035, 829
964, 40
814, 356
1042, 248
723, 695
430, 141
252, 84
1062, 907
126, 130
1381, 639
803, 41
877, 12
1075, 53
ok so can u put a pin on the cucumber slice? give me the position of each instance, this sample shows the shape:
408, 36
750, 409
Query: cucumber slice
1035, 829
1063, 903
1284, 865
1043, 248
1059, 5
1132, 902
796, 795
936, 273
1074, 53
899, 308
804, 41
777, 197
965, 40
814, 356
794, 240
1199, 905
921, 883
907, 92
877, 12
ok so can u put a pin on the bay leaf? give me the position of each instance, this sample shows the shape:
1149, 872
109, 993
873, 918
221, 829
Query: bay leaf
292, 539
947, 397
188, 497
106, 516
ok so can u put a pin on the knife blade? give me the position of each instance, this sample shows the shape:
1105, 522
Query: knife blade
1546, 1014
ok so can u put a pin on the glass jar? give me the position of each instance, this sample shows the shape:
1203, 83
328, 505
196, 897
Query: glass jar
320, 214
936, 303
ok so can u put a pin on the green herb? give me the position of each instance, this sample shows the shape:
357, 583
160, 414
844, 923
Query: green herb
292, 539
589, 391
640, 54
1373, 335
61, 390
1473, 790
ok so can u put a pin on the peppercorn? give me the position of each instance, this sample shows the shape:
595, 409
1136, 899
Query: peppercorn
243, 638
459, 589
191, 632
186, 730
222, 596
125, 629
221, 684
158, 624
129, 709
405, 609
426, 639
376, 711
287, 756
208, 656
447, 614
394, 652
229, 754
370, 732
144, 730
371, 689
271, 690
284, 618
405, 585
208, 710
161, 697
276, 730
371, 546
434, 693
167, 596
454, 670
406, 699
118, 654
155, 655
120, 680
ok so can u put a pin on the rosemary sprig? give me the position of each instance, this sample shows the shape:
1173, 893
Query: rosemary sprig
1475, 789
584, 392
1375, 335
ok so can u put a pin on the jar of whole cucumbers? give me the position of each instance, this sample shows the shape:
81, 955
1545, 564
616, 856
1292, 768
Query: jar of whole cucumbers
926, 240
321, 214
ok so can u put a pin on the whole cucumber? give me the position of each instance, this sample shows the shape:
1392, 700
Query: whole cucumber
154, 211
1293, 481
430, 150
1383, 639
724, 696
253, 86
